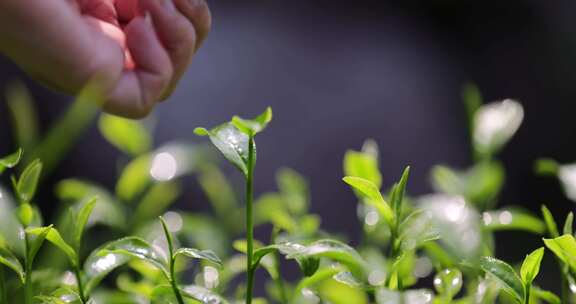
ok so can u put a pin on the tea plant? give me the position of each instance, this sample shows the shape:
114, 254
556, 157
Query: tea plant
127, 245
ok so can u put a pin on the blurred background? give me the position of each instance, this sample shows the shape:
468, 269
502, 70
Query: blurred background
338, 72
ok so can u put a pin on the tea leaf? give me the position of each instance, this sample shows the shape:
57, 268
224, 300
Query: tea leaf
129, 136
546, 167
205, 296
373, 196
505, 275
364, 165
550, 223
11, 160
531, 266
81, 219
99, 264
207, 255
9, 260
28, 181
25, 214
294, 190
415, 296
564, 247
568, 223
319, 276
36, 243
135, 177
54, 237
398, 193
24, 115
232, 143
495, 123
545, 295
253, 126
448, 282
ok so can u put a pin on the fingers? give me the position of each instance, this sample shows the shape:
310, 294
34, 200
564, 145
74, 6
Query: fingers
138, 89
198, 13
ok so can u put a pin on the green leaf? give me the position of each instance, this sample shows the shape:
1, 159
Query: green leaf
513, 219
24, 116
157, 199
9, 260
373, 196
28, 181
319, 276
81, 219
205, 296
206, 255
129, 136
504, 275
135, 177
54, 237
363, 165
546, 167
294, 190
326, 248
36, 243
550, 223
544, 295
531, 266
564, 247
253, 126
232, 143
11, 160
448, 282
414, 296
398, 193
568, 224
472, 102
116, 253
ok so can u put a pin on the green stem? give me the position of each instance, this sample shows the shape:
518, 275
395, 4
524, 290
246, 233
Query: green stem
249, 222
173, 275
527, 297
80, 285
28, 292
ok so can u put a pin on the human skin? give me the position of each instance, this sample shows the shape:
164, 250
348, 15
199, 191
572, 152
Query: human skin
136, 50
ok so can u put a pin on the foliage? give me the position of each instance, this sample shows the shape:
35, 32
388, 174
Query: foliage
128, 245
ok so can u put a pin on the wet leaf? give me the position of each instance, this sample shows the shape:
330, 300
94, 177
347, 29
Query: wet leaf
415, 296
448, 282
206, 255
505, 275
205, 296
231, 142
372, 196
28, 181
531, 266
254, 126
129, 136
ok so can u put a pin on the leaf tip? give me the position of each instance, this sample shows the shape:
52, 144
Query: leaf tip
201, 131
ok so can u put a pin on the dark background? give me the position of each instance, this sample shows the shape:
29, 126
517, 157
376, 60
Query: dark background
338, 72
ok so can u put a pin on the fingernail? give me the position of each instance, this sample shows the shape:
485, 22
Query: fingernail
169, 5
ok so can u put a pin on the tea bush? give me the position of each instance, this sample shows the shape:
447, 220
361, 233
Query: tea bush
125, 245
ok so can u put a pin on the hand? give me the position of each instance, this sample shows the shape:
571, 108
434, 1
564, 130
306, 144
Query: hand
137, 49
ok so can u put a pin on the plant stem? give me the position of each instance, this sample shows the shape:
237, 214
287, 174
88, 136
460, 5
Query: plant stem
172, 272
527, 297
79, 282
2, 286
249, 223
28, 292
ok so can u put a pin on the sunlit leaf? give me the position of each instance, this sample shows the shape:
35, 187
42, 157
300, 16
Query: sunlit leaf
36, 242
495, 123
513, 219
25, 214
205, 296
129, 136
9, 260
568, 223
564, 247
319, 276
362, 165
505, 275
54, 237
231, 142
531, 266
28, 181
254, 126
372, 195
336, 292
